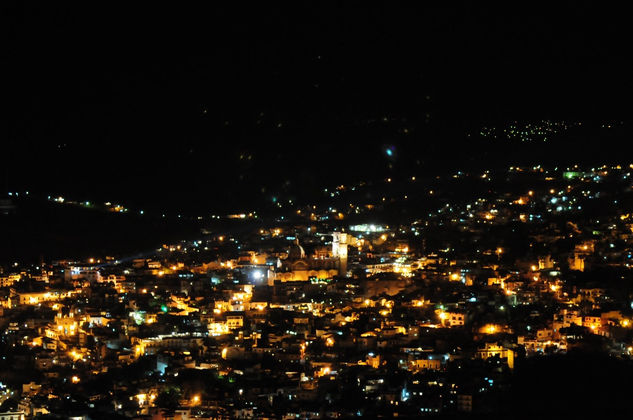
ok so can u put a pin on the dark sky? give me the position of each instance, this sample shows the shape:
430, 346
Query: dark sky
144, 103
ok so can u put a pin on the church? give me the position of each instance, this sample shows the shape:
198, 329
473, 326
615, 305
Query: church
322, 264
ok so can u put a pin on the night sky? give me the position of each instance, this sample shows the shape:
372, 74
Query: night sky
218, 107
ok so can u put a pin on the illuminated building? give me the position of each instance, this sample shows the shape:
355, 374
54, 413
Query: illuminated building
339, 250
35, 298
12, 415
367, 229
425, 364
234, 321
546, 263
78, 273
9, 280
594, 323
577, 263
299, 267
493, 349
152, 345
491, 329
452, 319
217, 328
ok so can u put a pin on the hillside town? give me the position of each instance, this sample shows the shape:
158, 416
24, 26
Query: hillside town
311, 316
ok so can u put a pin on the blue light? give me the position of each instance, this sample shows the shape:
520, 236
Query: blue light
404, 394
389, 152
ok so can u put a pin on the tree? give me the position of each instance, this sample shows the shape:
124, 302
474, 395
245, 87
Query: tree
169, 398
